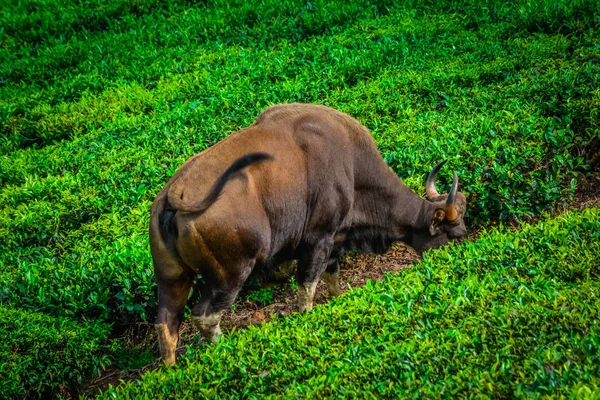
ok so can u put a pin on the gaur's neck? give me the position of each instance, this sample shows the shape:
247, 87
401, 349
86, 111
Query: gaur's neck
395, 208
410, 212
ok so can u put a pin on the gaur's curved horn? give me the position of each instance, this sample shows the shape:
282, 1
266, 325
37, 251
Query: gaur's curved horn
430, 185
451, 213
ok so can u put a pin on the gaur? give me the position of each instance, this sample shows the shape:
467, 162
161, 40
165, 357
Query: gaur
303, 182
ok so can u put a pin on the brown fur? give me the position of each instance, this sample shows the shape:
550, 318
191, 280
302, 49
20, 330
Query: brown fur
305, 182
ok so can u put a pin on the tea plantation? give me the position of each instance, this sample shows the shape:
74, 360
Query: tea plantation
101, 102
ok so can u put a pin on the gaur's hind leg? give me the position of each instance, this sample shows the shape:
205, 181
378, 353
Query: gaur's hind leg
215, 299
173, 292
311, 266
331, 277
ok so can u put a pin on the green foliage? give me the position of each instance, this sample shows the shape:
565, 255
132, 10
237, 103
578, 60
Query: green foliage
40, 353
512, 315
262, 297
101, 102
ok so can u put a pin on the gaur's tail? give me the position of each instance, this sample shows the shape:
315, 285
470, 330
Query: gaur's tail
199, 207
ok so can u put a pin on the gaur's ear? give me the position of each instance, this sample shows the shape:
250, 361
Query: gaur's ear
438, 217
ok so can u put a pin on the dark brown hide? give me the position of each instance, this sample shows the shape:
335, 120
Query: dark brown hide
304, 182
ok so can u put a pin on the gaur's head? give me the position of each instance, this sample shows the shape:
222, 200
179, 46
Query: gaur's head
446, 222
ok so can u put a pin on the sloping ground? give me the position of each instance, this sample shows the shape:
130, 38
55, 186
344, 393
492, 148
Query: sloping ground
513, 314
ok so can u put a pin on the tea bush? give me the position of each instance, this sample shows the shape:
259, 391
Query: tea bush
514, 314
41, 355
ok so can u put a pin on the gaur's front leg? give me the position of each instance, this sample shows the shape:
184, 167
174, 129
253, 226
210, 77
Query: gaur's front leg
311, 266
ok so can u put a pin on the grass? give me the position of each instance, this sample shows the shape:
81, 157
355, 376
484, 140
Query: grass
101, 102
